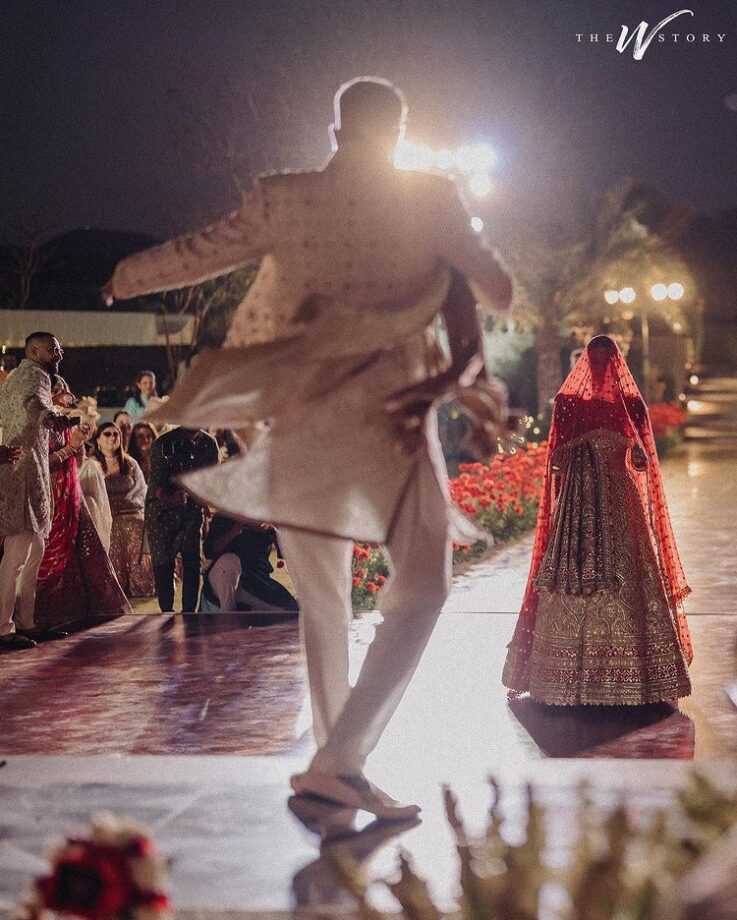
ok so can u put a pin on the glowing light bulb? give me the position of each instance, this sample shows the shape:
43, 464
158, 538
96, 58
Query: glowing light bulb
693, 379
479, 185
444, 160
675, 291
658, 292
611, 297
474, 158
477, 224
418, 157
627, 295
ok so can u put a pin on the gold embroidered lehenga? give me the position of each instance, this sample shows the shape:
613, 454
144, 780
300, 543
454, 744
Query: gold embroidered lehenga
600, 623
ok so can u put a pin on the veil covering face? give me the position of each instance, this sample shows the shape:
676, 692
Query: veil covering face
603, 395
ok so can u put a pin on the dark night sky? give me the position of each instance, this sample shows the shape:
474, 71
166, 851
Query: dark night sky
102, 102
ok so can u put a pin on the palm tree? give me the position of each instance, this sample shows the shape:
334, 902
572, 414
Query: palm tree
630, 241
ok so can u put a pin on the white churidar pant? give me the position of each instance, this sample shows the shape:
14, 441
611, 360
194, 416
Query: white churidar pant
22, 557
348, 723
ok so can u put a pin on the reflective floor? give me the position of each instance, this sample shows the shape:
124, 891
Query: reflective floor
112, 698
204, 684
194, 724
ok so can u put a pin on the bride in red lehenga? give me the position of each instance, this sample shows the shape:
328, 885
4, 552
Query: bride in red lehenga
601, 622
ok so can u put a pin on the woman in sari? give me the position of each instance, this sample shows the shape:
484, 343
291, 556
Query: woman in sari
601, 622
76, 581
126, 489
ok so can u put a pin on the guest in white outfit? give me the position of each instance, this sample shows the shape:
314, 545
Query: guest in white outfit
355, 264
94, 492
27, 414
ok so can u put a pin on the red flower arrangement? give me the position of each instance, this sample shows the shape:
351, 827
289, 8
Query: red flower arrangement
665, 417
668, 421
115, 874
502, 497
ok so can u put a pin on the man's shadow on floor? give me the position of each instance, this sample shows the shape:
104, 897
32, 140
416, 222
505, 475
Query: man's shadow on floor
655, 730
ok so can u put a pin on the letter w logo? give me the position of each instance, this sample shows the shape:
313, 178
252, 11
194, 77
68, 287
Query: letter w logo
641, 40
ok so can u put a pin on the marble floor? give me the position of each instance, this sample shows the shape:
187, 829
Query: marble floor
193, 725
108, 708
214, 684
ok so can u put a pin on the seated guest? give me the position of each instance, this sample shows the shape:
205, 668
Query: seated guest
143, 389
126, 490
76, 581
143, 436
238, 576
124, 421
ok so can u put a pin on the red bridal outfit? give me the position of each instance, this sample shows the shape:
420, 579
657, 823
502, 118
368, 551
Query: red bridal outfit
76, 581
600, 620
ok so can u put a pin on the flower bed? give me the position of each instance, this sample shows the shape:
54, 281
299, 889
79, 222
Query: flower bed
501, 498
668, 421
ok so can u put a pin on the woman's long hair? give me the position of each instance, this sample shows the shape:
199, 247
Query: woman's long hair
133, 449
136, 389
605, 397
122, 457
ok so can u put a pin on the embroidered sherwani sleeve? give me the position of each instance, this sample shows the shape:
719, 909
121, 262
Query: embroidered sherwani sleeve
237, 240
38, 403
467, 251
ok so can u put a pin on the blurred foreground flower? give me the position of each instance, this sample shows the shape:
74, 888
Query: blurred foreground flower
114, 874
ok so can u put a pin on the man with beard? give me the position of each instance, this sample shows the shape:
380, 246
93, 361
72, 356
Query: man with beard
27, 414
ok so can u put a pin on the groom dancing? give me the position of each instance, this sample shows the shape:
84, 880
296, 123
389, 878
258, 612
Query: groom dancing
334, 344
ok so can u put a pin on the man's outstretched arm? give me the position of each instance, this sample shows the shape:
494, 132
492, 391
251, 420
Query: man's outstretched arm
466, 250
235, 241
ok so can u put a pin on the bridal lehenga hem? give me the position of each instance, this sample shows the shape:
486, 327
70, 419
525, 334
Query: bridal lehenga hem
605, 632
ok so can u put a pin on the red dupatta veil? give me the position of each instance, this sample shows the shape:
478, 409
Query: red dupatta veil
605, 397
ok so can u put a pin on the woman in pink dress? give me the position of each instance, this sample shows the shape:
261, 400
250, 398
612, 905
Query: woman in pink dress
601, 621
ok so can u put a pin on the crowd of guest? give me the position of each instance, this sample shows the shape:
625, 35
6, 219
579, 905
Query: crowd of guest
92, 514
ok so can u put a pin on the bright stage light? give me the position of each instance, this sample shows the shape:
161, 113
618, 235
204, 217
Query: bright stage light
477, 224
658, 292
472, 162
444, 160
693, 379
627, 295
479, 185
474, 158
611, 297
675, 291
417, 157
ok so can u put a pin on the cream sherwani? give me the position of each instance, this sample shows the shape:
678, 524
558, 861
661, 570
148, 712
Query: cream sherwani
354, 266
26, 505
